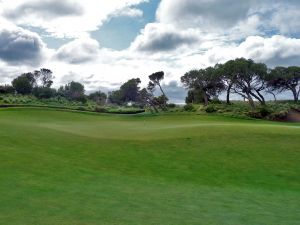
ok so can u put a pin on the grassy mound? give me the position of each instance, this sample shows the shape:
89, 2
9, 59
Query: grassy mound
80, 168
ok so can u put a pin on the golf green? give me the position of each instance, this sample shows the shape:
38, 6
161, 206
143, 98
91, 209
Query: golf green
71, 168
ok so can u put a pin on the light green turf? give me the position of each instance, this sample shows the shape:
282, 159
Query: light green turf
67, 168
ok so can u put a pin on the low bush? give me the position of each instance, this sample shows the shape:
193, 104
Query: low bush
211, 109
81, 108
255, 114
100, 109
265, 111
189, 108
172, 105
278, 116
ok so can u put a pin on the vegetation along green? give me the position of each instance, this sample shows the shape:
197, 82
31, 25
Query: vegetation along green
69, 158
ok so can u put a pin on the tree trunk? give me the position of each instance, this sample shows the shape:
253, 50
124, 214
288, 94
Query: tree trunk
296, 95
205, 97
162, 90
263, 101
251, 102
257, 97
228, 94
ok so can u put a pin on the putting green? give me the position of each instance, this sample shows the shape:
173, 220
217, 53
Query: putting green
70, 168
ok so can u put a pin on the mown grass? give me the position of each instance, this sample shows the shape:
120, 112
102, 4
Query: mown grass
70, 168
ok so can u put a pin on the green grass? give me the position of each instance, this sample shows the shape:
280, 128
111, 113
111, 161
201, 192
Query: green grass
70, 168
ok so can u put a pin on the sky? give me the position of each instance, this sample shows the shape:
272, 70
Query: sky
102, 44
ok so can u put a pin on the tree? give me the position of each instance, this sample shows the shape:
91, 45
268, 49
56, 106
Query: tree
283, 79
250, 80
7, 89
206, 81
98, 97
194, 96
45, 76
229, 75
115, 97
128, 92
74, 91
147, 99
24, 83
155, 80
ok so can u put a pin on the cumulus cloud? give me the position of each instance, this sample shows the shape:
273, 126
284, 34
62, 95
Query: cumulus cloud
18, 46
71, 18
47, 9
276, 50
208, 13
78, 51
159, 38
231, 16
286, 19
128, 11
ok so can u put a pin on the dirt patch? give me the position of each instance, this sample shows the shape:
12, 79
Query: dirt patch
293, 116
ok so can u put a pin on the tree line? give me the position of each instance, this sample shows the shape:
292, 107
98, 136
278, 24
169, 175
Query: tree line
246, 78
243, 77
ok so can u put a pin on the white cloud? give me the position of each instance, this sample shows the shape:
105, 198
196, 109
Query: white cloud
19, 46
160, 38
71, 18
78, 51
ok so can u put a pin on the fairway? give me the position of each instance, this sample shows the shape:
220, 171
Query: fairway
71, 168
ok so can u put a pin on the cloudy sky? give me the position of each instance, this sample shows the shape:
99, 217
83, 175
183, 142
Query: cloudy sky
104, 43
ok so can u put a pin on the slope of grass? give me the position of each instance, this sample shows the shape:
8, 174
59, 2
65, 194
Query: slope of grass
70, 168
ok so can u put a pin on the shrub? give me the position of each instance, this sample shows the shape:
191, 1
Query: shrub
255, 114
216, 101
278, 116
172, 105
189, 108
81, 108
100, 110
211, 109
264, 112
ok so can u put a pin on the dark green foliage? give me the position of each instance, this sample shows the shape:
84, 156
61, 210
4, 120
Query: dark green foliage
73, 91
171, 105
45, 76
7, 89
283, 79
206, 81
100, 109
128, 92
189, 107
265, 111
98, 97
155, 80
211, 109
24, 83
116, 97
278, 116
249, 81
216, 100
44, 92
195, 97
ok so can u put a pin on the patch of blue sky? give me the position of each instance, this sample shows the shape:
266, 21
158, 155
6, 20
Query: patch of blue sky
119, 32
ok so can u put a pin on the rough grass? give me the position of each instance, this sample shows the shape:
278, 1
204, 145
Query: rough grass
70, 168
